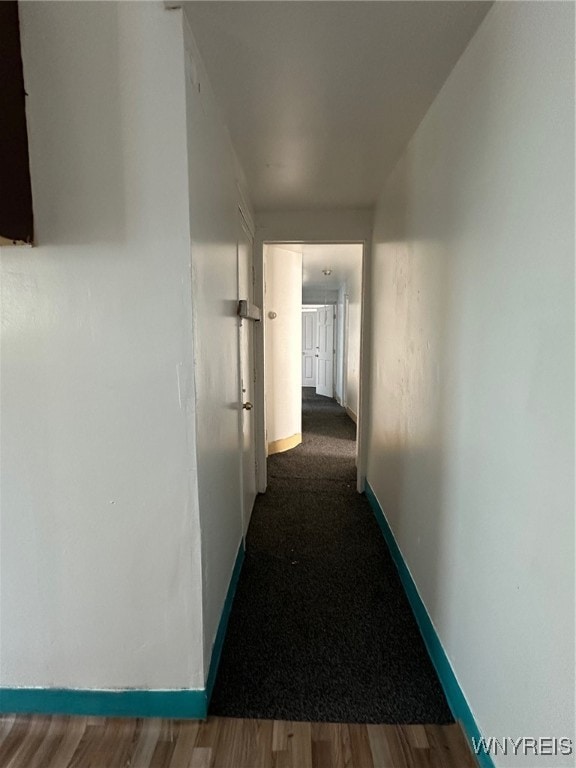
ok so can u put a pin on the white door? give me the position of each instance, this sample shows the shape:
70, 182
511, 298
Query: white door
309, 349
247, 375
325, 347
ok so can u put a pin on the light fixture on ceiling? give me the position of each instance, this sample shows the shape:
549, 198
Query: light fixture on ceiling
326, 272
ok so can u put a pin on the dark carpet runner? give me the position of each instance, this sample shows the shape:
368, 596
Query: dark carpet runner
321, 628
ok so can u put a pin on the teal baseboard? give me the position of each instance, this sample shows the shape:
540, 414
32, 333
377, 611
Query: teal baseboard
180, 703
223, 625
174, 703
454, 694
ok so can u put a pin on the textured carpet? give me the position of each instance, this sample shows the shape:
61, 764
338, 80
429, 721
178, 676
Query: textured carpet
320, 628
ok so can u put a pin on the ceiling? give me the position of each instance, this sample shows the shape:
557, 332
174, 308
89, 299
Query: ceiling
344, 262
321, 97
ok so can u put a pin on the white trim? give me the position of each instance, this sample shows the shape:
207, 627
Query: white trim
364, 378
259, 352
345, 322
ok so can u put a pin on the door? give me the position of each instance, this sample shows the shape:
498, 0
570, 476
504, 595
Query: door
325, 351
247, 375
309, 349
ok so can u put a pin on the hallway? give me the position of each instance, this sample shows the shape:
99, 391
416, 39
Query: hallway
164, 142
321, 629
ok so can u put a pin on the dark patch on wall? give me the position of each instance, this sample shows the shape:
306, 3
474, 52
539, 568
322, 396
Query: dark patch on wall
16, 223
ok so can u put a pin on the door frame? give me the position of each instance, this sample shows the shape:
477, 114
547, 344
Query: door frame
245, 223
246, 377
259, 350
345, 326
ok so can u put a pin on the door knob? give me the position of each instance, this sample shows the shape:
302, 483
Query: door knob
247, 406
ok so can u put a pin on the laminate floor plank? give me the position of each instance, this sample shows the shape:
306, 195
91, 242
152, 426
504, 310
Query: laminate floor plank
6, 725
146, 744
52, 739
448, 747
457, 746
360, 746
81, 742
300, 744
416, 735
227, 748
208, 732
281, 759
331, 745
88, 751
202, 757
174, 732
421, 758
28, 746
14, 737
341, 748
280, 736
321, 754
185, 743
117, 740
256, 744
14, 740
71, 738
399, 747
162, 754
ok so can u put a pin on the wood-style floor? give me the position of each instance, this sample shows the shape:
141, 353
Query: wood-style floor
88, 742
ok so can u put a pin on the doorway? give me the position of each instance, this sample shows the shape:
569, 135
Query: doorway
309, 335
319, 348
312, 329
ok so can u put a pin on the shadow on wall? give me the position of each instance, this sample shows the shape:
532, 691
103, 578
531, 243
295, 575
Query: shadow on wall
408, 384
91, 204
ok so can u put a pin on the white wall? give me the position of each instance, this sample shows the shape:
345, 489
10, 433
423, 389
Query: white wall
311, 295
100, 551
354, 324
315, 226
214, 222
472, 418
283, 342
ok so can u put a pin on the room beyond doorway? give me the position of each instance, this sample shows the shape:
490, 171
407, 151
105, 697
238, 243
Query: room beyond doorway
332, 292
312, 333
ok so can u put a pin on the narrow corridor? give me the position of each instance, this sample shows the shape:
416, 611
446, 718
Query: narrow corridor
321, 629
